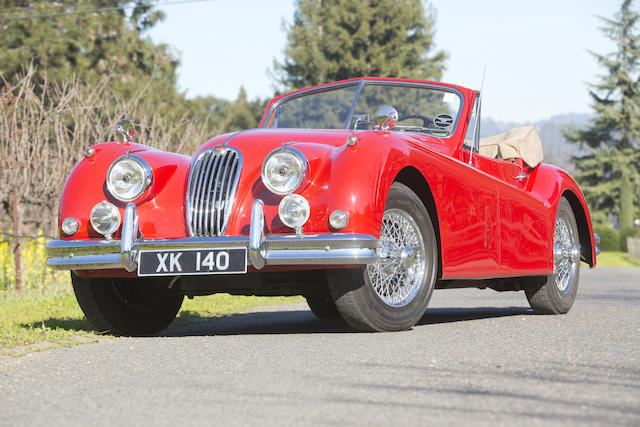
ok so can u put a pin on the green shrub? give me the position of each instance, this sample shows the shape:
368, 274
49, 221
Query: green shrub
609, 237
627, 232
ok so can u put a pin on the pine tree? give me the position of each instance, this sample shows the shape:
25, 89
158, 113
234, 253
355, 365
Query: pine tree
340, 39
609, 173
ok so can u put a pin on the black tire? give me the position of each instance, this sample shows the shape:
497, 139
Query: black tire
130, 307
354, 294
556, 296
323, 307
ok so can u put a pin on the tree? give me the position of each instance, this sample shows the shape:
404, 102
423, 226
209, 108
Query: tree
232, 116
60, 39
340, 39
609, 172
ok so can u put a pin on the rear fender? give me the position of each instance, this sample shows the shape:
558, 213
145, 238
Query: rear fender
550, 184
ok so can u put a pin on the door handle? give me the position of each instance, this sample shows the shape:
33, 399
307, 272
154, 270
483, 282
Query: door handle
521, 176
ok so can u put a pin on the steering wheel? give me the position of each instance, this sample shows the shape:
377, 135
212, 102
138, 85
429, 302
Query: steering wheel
427, 122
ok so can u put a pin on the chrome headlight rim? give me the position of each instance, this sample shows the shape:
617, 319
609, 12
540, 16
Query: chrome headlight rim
304, 169
146, 170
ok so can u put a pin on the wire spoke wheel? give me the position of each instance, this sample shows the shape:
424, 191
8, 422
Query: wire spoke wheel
556, 292
566, 253
392, 293
397, 274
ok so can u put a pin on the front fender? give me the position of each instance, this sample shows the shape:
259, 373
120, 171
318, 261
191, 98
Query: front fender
157, 211
354, 178
357, 180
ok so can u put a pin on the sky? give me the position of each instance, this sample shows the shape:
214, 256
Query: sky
538, 64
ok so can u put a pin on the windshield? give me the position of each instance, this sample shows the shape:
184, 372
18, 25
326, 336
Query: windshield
421, 108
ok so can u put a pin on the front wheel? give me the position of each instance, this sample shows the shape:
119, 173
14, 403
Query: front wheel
323, 307
393, 293
557, 294
131, 307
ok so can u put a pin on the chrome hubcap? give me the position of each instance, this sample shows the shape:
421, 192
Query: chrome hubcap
399, 270
566, 254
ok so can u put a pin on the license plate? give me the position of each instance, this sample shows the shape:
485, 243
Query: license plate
192, 261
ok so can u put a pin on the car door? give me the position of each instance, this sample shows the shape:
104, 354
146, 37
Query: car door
523, 245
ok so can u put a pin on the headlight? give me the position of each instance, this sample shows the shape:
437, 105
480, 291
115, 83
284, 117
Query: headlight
105, 218
70, 226
294, 211
338, 219
128, 177
283, 170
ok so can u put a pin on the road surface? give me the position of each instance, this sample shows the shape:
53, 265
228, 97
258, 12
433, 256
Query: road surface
477, 357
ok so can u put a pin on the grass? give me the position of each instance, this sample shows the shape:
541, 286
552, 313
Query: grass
35, 321
616, 259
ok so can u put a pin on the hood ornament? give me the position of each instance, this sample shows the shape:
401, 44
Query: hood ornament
125, 128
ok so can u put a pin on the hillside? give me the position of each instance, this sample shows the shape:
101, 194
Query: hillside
557, 150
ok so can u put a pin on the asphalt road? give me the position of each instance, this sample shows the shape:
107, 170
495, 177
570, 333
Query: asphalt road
476, 358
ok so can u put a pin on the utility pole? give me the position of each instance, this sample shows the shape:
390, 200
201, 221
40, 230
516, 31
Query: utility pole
9, 99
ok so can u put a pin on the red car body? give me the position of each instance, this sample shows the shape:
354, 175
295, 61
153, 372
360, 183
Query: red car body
492, 219
490, 224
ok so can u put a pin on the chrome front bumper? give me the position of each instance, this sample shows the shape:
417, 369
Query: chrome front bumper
318, 249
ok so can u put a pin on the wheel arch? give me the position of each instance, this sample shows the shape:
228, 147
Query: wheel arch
584, 230
415, 180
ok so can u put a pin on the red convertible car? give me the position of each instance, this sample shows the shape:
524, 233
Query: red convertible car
363, 196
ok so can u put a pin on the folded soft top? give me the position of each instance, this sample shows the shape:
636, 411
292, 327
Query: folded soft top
521, 142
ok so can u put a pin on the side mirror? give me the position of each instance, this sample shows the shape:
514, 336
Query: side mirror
125, 128
387, 117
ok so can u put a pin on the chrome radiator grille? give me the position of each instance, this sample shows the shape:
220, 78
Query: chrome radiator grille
213, 182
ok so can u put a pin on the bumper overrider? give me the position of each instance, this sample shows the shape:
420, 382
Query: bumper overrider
262, 250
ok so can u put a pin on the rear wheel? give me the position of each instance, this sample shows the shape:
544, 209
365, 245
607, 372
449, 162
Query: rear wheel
557, 295
393, 293
134, 307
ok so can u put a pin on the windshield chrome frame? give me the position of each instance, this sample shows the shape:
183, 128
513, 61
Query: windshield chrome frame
361, 83
353, 105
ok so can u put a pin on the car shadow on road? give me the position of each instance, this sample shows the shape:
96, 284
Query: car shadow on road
79, 325
304, 322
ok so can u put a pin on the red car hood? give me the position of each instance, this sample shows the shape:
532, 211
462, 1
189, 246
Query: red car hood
262, 141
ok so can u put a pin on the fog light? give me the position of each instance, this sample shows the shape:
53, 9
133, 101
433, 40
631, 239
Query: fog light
105, 218
339, 219
294, 211
70, 226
